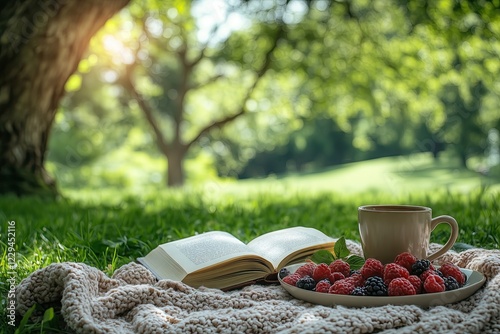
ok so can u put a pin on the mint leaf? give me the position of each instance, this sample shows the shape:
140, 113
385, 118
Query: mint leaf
322, 256
355, 262
340, 249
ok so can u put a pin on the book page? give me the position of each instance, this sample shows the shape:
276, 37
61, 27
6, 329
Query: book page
278, 245
205, 250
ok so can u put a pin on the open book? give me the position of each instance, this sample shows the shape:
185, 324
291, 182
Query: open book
219, 260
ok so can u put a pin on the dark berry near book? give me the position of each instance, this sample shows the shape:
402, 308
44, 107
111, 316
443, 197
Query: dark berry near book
451, 283
284, 272
375, 286
420, 266
306, 282
359, 291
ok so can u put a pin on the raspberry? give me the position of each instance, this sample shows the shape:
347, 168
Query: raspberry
451, 283
417, 283
341, 287
283, 273
306, 282
420, 266
401, 287
372, 267
340, 266
336, 276
434, 283
406, 260
321, 271
428, 272
359, 291
306, 269
357, 280
449, 269
392, 271
292, 279
375, 286
323, 286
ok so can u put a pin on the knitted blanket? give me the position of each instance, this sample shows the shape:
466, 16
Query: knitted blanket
133, 301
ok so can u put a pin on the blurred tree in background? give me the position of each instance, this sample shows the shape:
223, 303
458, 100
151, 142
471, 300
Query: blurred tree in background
244, 88
41, 45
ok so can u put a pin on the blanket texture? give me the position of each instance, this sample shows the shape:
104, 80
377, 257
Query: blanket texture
133, 301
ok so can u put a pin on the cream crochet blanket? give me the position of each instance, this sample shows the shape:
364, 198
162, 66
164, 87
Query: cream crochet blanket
132, 301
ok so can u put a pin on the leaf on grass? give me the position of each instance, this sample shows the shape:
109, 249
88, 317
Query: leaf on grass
322, 256
460, 246
25, 319
355, 262
48, 315
340, 248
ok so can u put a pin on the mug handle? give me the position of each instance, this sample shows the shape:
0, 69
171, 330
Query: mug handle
451, 240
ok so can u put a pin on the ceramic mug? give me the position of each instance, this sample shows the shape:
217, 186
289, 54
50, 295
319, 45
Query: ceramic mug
389, 230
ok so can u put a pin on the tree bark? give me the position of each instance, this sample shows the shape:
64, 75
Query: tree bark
41, 44
175, 169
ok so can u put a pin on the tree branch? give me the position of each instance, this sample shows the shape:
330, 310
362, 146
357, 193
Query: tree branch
243, 110
207, 82
212, 34
127, 83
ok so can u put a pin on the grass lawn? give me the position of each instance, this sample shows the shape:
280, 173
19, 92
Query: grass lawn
108, 228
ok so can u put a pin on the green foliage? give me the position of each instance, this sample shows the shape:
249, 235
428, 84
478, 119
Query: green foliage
390, 77
340, 252
45, 325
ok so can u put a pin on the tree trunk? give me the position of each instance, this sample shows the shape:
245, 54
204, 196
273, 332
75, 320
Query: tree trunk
175, 170
41, 44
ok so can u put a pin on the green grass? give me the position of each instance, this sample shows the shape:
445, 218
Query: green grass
107, 228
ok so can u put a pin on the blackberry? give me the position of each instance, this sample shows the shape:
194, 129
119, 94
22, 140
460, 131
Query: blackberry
352, 272
283, 273
359, 291
451, 283
306, 282
420, 266
439, 273
375, 286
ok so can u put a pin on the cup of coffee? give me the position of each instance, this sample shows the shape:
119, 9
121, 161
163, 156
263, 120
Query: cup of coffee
389, 230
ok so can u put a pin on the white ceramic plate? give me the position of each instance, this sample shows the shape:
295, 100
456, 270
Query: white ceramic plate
474, 281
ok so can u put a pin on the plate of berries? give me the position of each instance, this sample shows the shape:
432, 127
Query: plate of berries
402, 282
